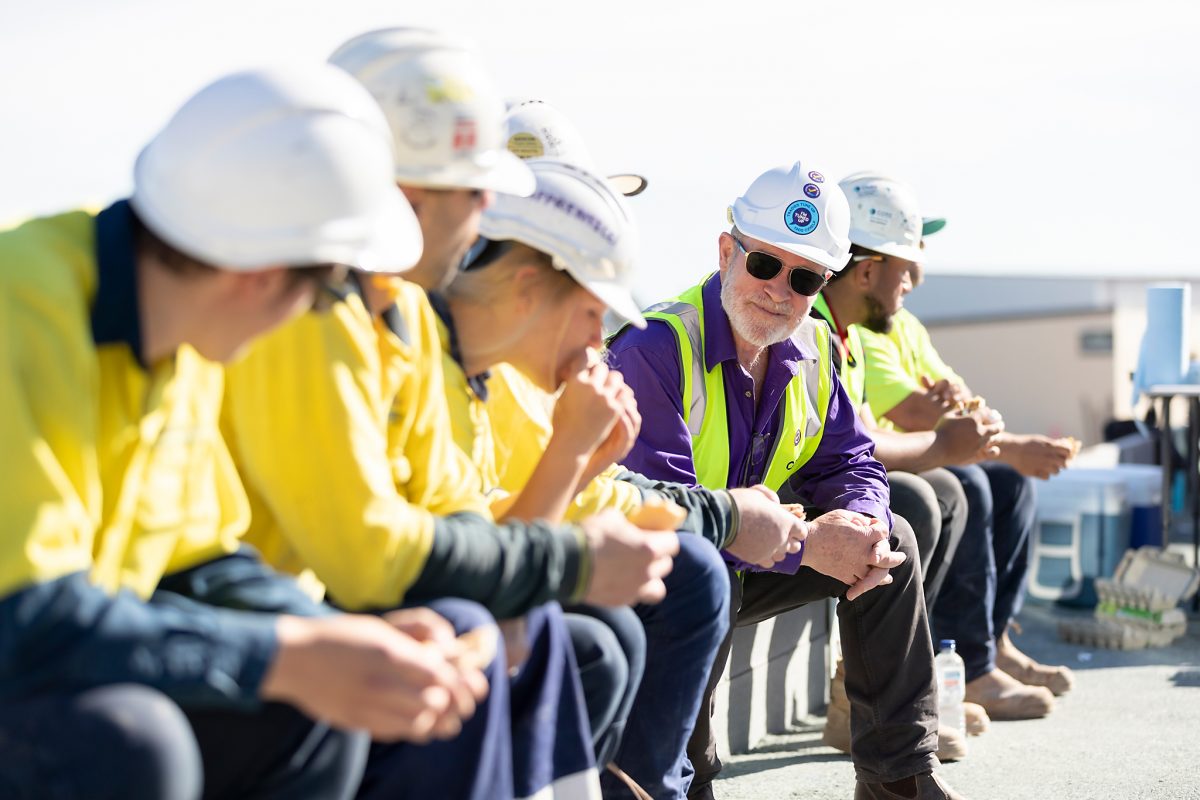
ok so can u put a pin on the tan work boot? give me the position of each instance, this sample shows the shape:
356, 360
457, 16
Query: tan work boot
977, 718
952, 745
1058, 680
919, 787
1004, 697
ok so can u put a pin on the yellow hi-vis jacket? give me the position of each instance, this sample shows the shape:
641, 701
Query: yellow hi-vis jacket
806, 402
110, 467
338, 425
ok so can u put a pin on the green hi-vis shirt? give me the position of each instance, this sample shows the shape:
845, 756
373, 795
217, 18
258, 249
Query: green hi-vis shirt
848, 354
897, 361
111, 468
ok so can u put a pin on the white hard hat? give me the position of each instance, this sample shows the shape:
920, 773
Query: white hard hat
794, 209
884, 215
536, 129
582, 223
446, 118
278, 167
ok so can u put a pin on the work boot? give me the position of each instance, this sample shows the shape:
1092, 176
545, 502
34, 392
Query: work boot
978, 721
1004, 697
837, 718
919, 787
1058, 680
952, 745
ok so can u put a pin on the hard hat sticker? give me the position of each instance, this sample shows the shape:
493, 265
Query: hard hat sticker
526, 145
816, 177
801, 217
812, 190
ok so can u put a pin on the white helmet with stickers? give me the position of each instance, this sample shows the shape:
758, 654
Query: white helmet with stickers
884, 215
446, 117
278, 167
537, 129
581, 222
794, 209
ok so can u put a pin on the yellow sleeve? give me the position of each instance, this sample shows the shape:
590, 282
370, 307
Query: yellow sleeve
432, 471
605, 491
217, 512
522, 416
928, 360
50, 497
306, 418
887, 380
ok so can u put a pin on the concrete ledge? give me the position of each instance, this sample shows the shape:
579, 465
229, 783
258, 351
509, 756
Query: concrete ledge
778, 673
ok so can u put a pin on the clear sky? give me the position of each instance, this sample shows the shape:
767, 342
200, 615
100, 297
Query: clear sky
1057, 135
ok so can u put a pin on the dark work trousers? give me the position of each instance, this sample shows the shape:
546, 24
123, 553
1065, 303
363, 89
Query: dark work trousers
888, 656
610, 649
131, 741
530, 735
986, 583
126, 742
935, 506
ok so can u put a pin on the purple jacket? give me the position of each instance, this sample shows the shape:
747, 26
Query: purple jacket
842, 473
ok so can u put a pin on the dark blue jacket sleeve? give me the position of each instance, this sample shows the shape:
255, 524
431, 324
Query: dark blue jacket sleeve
68, 635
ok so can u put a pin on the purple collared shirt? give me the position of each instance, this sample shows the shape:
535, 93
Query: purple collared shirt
842, 473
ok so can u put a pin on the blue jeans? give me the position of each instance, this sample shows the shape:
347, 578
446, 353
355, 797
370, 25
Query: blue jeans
986, 583
683, 633
610, 648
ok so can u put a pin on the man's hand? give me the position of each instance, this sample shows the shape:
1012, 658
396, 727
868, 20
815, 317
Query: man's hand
966, 439
1034, 455
628, 563
950, 394
851, 548
767, 532
358, 671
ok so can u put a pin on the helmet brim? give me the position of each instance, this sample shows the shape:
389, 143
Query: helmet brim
495, 170
395, 243
617, 298
813, 254
628, 183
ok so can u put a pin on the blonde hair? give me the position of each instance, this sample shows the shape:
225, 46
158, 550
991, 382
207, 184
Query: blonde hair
489, 283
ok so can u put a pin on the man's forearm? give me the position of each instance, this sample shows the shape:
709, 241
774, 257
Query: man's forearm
906, 452
711, 514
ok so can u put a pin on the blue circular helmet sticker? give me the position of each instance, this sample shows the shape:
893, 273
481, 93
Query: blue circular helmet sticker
816, 177
801, 217
812, 190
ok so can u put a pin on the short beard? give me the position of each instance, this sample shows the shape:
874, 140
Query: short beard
878, 319
749, 329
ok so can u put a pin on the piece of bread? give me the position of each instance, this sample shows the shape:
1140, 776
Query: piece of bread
656, 514
479, 646
795, 509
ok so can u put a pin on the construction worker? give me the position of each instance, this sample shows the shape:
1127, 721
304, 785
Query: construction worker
735, 386
863, 294
909, 386
142, 653
524, 312
373, 497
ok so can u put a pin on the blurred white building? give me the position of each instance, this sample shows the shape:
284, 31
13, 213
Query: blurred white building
1054, 354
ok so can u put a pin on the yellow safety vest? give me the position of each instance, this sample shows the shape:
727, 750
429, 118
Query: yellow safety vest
806, 400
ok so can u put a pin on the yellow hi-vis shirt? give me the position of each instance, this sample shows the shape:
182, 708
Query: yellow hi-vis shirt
110, 468
896, 362
339, 427
507, 435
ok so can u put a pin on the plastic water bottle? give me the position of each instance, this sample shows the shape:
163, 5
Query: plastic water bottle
952, 686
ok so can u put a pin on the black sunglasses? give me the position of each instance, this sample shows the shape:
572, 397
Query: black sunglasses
765, 266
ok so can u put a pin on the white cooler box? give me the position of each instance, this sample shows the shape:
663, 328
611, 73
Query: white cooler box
1082, 531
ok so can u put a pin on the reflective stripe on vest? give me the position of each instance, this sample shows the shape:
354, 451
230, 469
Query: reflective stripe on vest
806, 399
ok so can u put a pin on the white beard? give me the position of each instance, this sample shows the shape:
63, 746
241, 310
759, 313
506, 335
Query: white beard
748, 325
